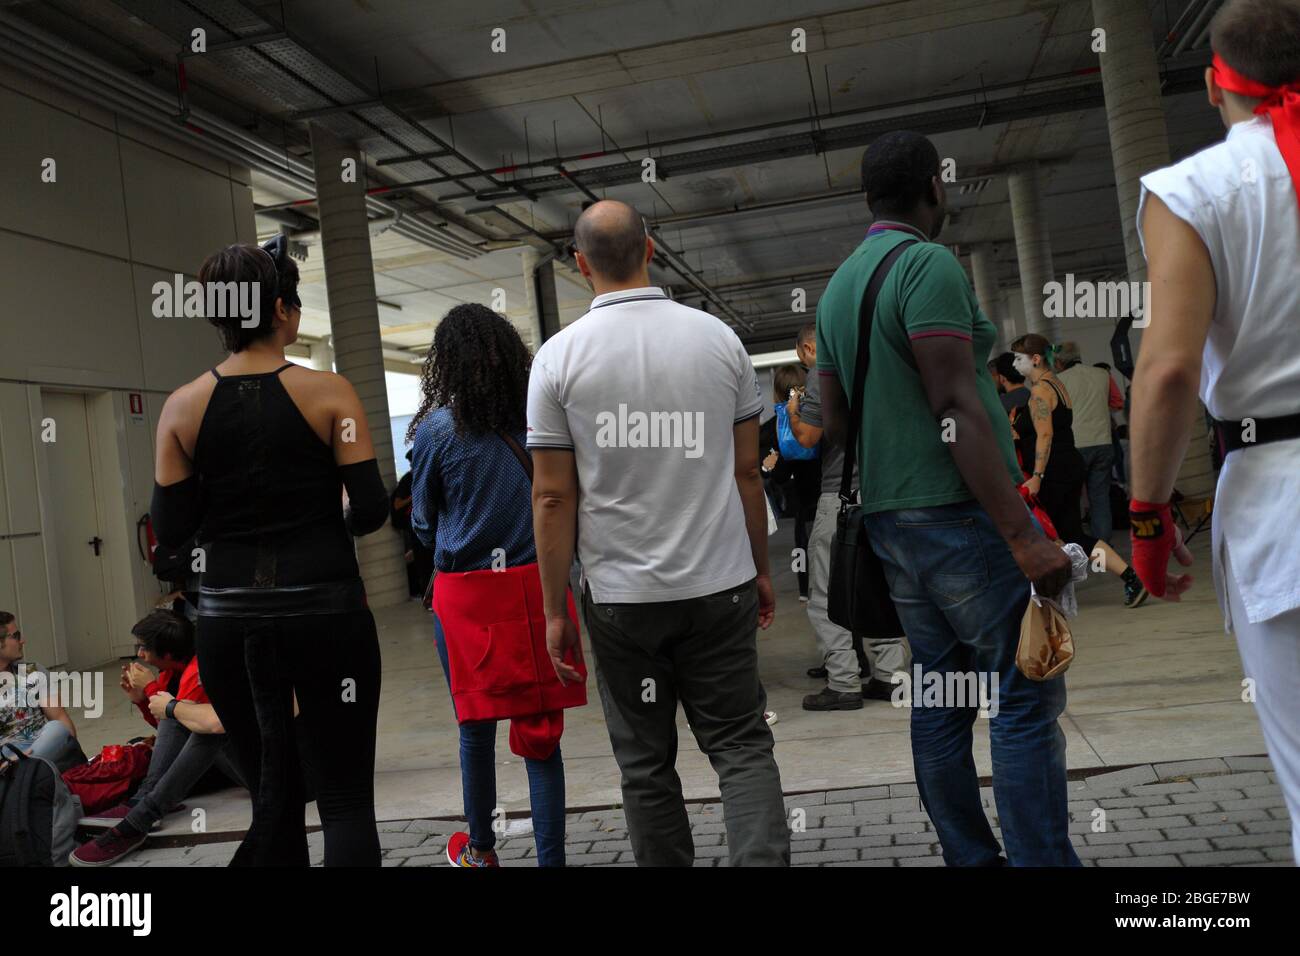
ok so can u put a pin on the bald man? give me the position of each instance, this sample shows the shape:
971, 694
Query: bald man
643, 425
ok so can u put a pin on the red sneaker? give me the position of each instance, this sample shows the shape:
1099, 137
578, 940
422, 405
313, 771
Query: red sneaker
112, 817
107, 849
459, 853
107, 819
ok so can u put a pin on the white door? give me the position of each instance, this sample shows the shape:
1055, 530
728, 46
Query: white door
73, 506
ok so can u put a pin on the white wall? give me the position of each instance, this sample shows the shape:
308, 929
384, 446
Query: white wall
77, 259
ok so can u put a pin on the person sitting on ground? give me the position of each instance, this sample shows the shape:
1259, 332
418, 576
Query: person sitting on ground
164, 647
189, 743
30, 717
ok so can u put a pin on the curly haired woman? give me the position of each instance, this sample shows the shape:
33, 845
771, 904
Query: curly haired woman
472, 491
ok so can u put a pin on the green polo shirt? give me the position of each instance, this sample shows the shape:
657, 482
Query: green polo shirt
904, 461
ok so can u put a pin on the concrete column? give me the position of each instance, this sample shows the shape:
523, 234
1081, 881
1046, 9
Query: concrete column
1033, 246
539, 289
1139, 140
1139, 143
322, 355
358, 349
984, 272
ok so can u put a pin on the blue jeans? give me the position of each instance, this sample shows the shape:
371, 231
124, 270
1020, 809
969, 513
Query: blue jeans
1099, 459
478, 781
960, 596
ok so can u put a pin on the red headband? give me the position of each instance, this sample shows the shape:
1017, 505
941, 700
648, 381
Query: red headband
1281, 103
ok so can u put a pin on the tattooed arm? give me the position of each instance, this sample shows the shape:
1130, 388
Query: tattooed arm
1040, 410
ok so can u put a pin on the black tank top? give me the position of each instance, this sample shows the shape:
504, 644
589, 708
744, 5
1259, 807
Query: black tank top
272, 495
1064, 463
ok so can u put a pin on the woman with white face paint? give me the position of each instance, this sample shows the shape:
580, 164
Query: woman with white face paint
1055, 471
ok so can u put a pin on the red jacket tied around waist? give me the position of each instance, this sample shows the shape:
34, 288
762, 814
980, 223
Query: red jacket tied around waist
495, 631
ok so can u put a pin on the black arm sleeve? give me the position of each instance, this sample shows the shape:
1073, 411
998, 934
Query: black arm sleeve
367, 497
176, 511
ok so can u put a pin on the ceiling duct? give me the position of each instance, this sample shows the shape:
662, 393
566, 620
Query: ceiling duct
52, 59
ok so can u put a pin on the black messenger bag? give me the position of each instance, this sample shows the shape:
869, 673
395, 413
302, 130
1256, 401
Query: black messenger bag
857, 595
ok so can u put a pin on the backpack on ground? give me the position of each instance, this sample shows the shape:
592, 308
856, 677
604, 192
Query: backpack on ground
38, 813
110, 777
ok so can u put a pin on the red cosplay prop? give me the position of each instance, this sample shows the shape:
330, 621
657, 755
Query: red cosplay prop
1155, 537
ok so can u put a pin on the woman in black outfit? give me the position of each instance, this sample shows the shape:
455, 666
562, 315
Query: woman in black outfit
1054, 468
273, 466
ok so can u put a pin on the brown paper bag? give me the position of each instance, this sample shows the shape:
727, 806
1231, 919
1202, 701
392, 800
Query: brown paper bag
1046, 645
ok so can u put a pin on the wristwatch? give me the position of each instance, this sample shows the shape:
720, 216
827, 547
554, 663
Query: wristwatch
170, 710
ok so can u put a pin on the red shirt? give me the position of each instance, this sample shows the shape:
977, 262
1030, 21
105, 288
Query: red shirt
189, 688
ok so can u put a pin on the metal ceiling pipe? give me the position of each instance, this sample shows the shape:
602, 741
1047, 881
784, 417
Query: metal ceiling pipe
674, 260
686, 272
1078, 96
796, 121
1176, 32
1193, 33
376, 227
416, 126
95, 80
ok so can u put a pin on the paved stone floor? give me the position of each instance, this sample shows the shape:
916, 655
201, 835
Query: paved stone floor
1216, 812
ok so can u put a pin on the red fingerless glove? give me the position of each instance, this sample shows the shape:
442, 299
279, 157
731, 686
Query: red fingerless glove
1153, 542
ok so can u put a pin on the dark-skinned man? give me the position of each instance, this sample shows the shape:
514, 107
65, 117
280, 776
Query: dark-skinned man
1221, 233
938, 482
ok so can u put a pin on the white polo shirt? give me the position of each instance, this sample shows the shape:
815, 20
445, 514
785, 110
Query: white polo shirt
646, 392
1239, 197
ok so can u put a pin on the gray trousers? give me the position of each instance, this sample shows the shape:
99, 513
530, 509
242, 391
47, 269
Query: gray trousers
887, 655
1099, 460
180, 759
702, 652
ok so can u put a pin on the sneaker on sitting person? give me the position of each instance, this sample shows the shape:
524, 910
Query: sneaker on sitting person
459, 853
829, 699
770, 717
109, 848
110, 818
